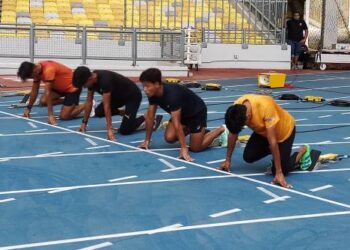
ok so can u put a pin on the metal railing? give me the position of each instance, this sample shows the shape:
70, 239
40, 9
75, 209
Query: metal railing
91, 43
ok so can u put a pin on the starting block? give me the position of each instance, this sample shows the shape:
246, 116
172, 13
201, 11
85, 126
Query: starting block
211, 86
271, 80
172, 80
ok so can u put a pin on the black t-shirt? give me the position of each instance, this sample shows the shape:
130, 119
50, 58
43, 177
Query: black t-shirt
177, 97
120, 87
295, 29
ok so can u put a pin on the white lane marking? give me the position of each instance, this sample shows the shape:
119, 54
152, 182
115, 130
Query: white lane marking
216, 161
165, 229
39, 190
172, 169
324, 116
98, 246
7, 200
37, 130
281, 198
32, 125
269, 193
303, 119
98, 147
90, 141
173, 229
321, 188
227, 212
123, 178
59, 190
48, 154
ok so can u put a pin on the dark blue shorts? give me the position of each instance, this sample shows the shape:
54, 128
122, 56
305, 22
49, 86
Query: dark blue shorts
295, 47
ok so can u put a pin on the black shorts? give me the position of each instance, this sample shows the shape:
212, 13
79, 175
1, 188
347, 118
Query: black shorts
70, 98
195, 124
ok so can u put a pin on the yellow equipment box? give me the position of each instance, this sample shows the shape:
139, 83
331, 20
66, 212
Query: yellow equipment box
271, 80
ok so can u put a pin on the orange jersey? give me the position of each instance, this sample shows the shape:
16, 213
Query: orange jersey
60, 75
266, 113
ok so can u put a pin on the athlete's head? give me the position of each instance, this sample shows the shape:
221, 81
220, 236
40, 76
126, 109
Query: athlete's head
152, 81
27, 70
296, 15
83, 77
235, 118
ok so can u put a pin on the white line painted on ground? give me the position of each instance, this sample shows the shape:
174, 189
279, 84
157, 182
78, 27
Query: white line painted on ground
166, 163
98, 246
172, 169
346, 113
135, 142
74, 126
175, 229
98, 147
190, 163
227, 212
39, 190
32, 125
346, 138
7, 200
31, 134
321, 188
48, 154
117, 122
281, 198
90, 141
165, 229
69, 155
123, 178
303, 119
59, 190
37, 130
216, 161
10, 102
269, 193
324, 116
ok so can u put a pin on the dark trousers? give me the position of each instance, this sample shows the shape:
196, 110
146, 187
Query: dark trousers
258, 148
129, 122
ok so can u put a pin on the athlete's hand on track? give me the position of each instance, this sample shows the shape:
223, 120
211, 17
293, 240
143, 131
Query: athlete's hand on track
144, 144
82, 128
110, 135
225, 166
184, 154
280, 180
26, 113
52, 120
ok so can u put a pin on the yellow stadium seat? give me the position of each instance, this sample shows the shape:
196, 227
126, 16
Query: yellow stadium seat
54, 22
79, 16
86, 22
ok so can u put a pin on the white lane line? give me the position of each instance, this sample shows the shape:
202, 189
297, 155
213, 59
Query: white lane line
39, 190
346, 113
251, 180
98, 246
231, 211
346, 138
37, 130
285, 103
32, 125
59, 190
269, 193
303, 119
48, 154
67, 155
165, 229
10, 101
281, 198
31, 134
324, 116
324, 142
174, 229
4, 159
134, 142
97, 147
7, 200
90, 141
321, 188
117, 122
216, 161
123, 178
166, 163
74, 126
172, 169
